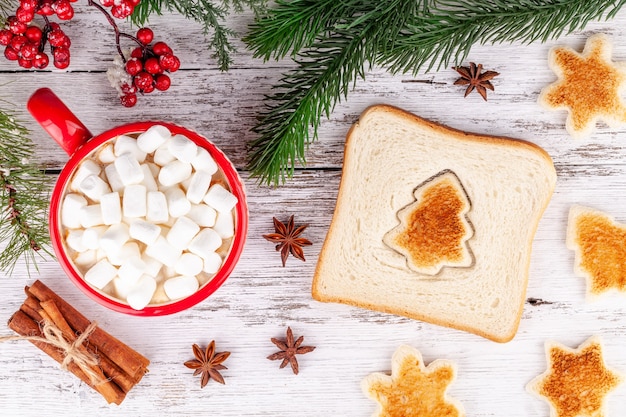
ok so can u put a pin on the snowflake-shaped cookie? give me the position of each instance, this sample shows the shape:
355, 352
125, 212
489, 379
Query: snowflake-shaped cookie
413, 390
588, 86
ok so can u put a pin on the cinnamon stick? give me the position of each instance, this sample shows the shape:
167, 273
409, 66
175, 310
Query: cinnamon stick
133, 363
26, 326
109, 390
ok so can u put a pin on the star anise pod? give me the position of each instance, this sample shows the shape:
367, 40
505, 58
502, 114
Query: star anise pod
473, 77
289, 349
208, 363
288, 240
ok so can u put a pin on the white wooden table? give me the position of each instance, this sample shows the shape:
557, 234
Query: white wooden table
262, 298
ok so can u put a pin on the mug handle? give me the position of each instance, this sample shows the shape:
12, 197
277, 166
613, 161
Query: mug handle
58, 120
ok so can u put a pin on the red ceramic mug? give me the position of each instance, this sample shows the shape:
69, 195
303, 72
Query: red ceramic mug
67, 130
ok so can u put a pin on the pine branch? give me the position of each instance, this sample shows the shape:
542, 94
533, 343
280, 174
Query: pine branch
24, 198
325, 73
401, 35
210, 14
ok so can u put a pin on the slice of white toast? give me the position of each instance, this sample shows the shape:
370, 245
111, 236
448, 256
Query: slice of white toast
388, 154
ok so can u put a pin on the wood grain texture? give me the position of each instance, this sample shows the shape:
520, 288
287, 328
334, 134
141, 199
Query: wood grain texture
261, 298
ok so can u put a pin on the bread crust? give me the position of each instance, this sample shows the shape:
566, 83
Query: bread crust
453, 134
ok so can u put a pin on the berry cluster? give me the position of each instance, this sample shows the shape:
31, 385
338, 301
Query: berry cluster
143, 70
120, 8
25, 44
147, 67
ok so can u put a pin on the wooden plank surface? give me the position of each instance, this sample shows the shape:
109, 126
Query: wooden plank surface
261, 298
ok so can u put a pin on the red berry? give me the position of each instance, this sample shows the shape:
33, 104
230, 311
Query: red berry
137, 53
54, 26
61, 54
33, 34
17, 41
152, 66
145, 35
128, 89
24, 15
133, 66
161, 48
163, 82
169, 62
107, 3
143, 81
28, 51
45, 8
134, 3
29, 4
10, 54
148, 89
41, 61
25, 63
16, 26
65, 11
5, 36
129, 100
56, 37
122, 10
61, 64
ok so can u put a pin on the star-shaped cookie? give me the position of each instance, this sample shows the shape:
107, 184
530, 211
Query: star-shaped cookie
599, 244
413, 390
576, 381
434, 230
588, 86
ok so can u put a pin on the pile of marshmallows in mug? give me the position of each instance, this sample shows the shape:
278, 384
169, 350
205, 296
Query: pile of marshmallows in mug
148, 219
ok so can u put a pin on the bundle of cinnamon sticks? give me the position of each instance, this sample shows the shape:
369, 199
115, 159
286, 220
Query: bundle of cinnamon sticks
119, 368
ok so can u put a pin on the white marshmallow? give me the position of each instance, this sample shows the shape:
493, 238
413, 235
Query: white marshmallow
212, 263
144, 231
113, 177
182, 232
202, 214
74, 240
142, 293
91, 216
198, 187
128, 169
148, 178
224, 225
70, 210
163, 251
126, 144
86, 168
94, 187
106, 154
177, 204
100, 274
205, 243
152, 138
162, 156
91, 237
185, 184
180, 286
122, 288
111, 208
153, 266
182, 148
220, 198
188, 264
204, 162
126, 252
86, 259
114, 238
174, 172
131, 269
134, 202
156, 210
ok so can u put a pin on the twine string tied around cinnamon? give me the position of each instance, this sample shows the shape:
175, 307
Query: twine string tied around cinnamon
72, 351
